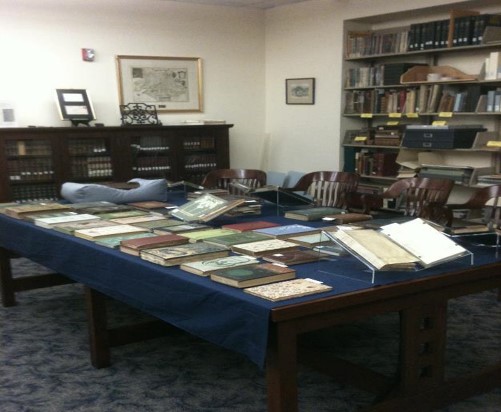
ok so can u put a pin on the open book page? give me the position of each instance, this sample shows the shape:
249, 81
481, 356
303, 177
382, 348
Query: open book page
424, 241
376, 249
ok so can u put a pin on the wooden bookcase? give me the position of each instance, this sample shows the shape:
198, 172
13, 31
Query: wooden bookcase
379, 49
35, 162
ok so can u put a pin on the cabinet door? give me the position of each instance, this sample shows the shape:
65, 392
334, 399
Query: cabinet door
29, 168
152, 155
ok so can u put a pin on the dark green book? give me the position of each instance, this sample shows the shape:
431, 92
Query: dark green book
253, 275
314, 213
237, 238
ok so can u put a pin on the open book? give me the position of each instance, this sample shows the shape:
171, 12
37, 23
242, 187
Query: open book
205, 208
400, 246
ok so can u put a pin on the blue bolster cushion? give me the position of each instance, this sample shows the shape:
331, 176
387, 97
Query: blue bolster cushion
89, 192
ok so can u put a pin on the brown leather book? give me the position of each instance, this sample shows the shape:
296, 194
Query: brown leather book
134, 246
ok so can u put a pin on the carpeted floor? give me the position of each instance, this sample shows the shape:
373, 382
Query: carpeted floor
45, 366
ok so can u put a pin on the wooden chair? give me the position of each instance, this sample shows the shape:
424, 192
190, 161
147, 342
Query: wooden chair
222, 179
417, 196
486, 201
332, 189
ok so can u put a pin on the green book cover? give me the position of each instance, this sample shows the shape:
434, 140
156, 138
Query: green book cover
114, 242
199, 235
251, 275
205, 267
236, 238
315, 213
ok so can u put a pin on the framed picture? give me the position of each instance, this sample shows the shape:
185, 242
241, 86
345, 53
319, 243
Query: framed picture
171, 84
75, 105
300, 91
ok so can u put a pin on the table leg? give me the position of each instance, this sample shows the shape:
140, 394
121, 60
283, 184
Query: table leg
100, 353
6, 280
281, 369
423, 345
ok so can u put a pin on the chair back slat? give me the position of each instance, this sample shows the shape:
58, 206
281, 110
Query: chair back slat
329, 188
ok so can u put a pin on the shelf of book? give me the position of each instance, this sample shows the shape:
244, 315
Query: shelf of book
386, 73
36, 161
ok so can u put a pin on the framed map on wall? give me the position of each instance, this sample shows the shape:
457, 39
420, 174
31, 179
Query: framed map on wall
171, 84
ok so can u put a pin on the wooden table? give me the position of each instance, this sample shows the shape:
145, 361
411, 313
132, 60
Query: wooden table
421, 301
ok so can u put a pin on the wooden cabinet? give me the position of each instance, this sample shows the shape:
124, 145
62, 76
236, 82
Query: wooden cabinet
387, 61
34, 162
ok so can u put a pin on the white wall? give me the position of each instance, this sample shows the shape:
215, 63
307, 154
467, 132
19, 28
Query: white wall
41, 42
306, 40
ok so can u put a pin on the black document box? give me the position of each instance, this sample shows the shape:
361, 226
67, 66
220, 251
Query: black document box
440, 137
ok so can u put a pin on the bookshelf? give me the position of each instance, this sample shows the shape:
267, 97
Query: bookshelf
35, 161
421, 68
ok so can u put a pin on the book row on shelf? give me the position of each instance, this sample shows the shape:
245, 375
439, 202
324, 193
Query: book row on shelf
426, 98
35, 192
98, 166
384, 74
87, 146
200, 161
151, 163
376, 163
199, 143
30, 169
454, 32
28, 148
150, 143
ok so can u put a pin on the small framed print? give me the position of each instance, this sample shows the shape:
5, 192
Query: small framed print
300, 91
75, 105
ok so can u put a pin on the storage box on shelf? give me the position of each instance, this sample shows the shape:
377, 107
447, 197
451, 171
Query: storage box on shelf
441, 63
34, 162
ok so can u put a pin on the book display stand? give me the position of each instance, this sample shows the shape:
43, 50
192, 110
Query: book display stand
395, 252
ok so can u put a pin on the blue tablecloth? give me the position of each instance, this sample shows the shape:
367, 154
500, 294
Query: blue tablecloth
218, 313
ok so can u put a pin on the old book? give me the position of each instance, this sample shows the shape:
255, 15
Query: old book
160, 223
288, 289
154, 207
284, 231
100, 209
135, 245
253, 225
113, 242
133, 220
175, 255
49, 222
206, 234
345, 218
108, 231
205, 208
31, 217
263, 247
314, 213
237, 238
20, 211
252, 275
376, 249
465, 227
424, 241
121, 214
294, 257
69, 228
400, 246
206, 267
181, 228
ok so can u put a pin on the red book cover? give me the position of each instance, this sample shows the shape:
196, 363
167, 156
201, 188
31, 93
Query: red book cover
153, 242
246, 226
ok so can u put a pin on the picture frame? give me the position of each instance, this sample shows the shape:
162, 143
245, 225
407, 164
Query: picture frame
171, 84
75, 105
300, 90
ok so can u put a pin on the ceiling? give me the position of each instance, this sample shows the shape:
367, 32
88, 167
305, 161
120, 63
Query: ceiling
254, 4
